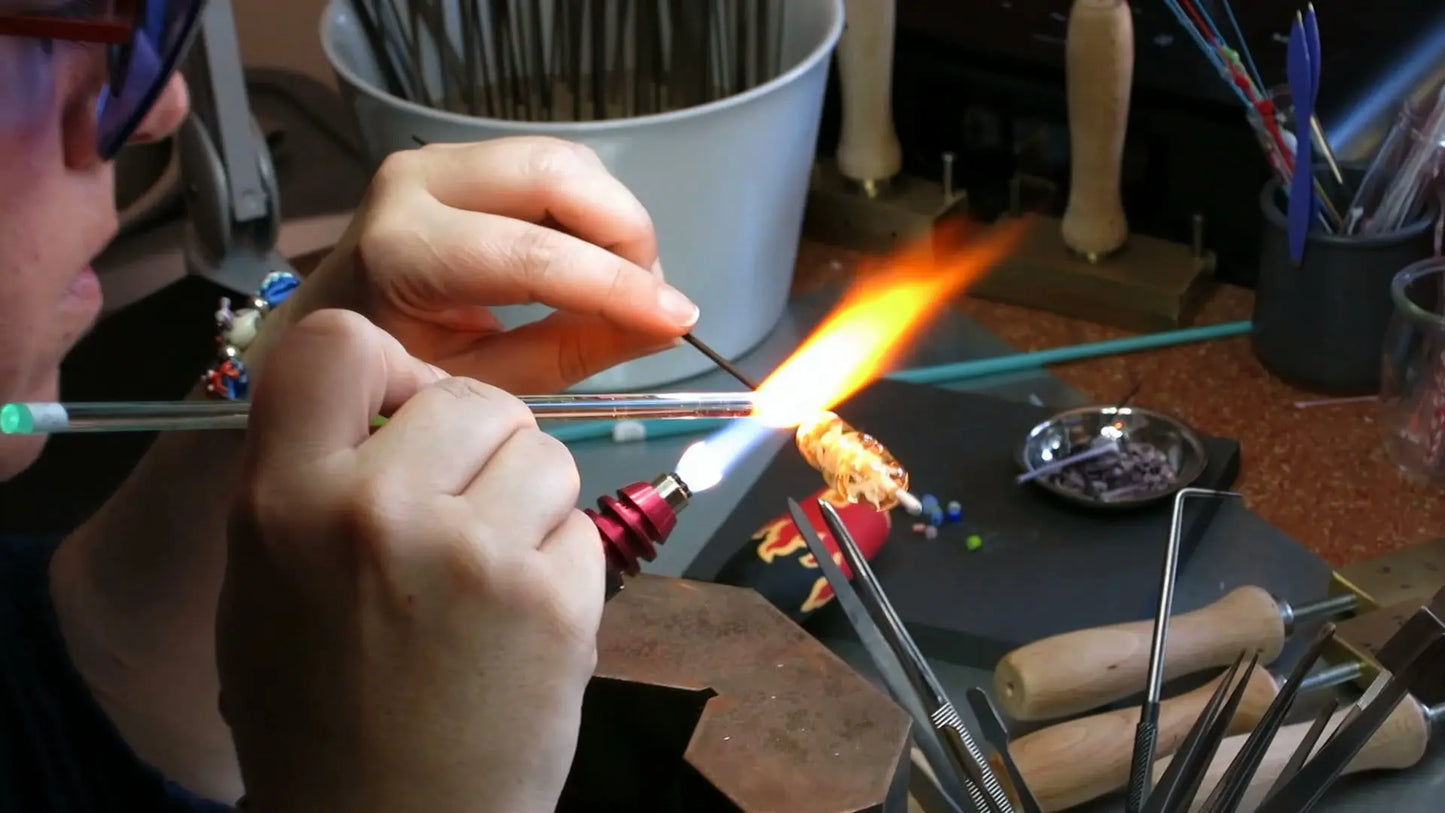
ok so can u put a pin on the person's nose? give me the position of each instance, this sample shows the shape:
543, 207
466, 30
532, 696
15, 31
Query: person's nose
167, 113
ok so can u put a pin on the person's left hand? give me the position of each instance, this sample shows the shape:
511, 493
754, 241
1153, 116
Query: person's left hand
448, 230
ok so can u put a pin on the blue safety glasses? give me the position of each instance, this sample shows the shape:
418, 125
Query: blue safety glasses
145, 40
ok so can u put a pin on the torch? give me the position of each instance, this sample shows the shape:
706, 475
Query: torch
641, 516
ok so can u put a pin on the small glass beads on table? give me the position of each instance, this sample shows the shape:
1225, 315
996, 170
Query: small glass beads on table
227, 377
936, 515
1139, 467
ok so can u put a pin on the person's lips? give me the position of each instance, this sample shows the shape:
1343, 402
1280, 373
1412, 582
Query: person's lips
84, 291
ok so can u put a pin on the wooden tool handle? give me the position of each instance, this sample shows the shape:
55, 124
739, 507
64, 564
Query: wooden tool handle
1099, 65
1080, 760
868, 149
1076, 671
1398, 744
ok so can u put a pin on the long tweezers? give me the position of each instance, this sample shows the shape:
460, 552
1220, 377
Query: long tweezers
1232, 786
1195, 750
967, 757
956, 784
888, 668
1209, 745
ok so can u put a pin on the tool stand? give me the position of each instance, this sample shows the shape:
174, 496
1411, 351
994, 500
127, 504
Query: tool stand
860, 199
232, 198
1087, 265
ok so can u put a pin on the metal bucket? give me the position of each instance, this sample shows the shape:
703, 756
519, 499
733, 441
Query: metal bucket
725, 181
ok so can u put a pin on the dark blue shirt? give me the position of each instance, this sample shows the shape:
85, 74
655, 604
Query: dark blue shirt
58, 750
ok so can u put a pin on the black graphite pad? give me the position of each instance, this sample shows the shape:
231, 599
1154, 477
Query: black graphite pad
1045, 567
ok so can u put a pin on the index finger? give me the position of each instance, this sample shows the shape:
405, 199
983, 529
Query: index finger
325, 380
537, 179
474, 258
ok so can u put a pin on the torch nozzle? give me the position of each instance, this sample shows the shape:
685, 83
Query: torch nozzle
634, 522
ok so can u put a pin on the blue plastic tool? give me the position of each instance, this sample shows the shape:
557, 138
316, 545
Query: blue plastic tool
1302, 92
1312, 40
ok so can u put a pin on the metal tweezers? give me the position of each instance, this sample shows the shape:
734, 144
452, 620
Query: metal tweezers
957, 761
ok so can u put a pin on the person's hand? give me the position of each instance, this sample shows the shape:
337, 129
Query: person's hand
409, 615
448, 230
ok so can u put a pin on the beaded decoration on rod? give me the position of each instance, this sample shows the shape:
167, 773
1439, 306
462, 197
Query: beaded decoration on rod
227, 377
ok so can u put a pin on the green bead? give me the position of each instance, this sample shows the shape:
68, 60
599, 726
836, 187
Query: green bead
974, 542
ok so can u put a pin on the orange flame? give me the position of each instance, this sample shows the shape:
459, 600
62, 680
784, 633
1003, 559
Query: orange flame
873, 324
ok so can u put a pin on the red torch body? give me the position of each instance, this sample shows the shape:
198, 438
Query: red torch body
637, 520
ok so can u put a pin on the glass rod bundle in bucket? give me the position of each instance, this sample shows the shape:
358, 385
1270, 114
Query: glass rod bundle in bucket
572, 60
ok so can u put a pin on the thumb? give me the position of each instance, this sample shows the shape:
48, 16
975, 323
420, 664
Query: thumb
554, 353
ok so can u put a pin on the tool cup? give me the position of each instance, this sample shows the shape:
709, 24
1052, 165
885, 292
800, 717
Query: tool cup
1320, 325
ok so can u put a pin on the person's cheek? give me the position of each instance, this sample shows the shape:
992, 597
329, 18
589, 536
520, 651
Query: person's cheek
167, 113
29, 85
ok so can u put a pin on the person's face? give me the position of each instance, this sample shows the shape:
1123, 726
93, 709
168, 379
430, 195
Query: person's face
57, 211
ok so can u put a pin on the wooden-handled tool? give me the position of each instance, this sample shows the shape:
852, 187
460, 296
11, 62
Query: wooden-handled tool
868, 150
1073, 762
1080, 760
1072, 265
861, 199
1099, 59
1400, 743
1076, 671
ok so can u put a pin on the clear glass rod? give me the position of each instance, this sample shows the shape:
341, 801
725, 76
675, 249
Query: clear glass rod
49, 417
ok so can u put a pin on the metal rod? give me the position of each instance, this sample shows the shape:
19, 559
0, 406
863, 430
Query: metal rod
599, 58
501, 55
701, 14
418, 63
371, 27
451, 69
395, 31
618, 83
576, 41
1147, 733
1332, 677
666, 55
779, 25
489, 75
39, 418
722, 362
967, 756
637, 53
1324, 608
539, 67
473, 87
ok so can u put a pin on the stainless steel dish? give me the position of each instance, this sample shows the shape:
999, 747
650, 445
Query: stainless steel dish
1073, 431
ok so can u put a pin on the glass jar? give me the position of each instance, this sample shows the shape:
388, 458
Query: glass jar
1412, 381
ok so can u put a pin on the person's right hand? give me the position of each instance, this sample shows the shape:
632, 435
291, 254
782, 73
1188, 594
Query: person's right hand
409, 615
